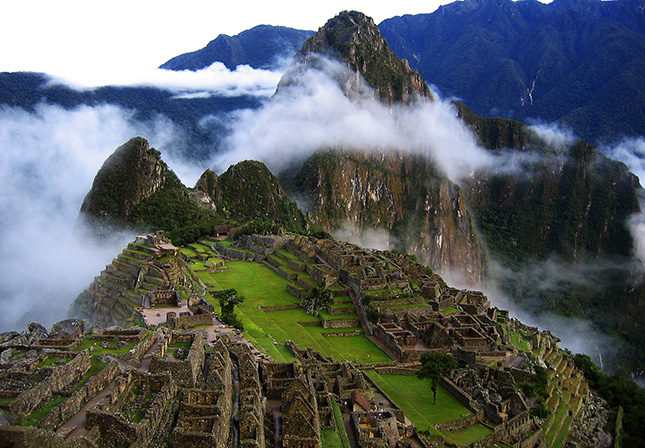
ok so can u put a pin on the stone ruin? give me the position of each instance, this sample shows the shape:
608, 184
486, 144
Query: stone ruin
171, 388
146, 273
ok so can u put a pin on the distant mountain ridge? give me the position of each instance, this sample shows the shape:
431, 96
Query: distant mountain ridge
259, 47
577, 62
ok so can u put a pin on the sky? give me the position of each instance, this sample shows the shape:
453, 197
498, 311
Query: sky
94, 43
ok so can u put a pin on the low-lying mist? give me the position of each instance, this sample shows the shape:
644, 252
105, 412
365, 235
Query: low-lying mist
47, 164
215, 79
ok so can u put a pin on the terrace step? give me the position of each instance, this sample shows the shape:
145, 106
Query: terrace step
123, 281
157, 281
152, 251
341, 299
130, 260
113, 269
275, 261
126, 267
139, 255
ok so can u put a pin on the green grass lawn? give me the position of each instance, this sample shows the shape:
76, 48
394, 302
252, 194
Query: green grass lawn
261, 286
450, 309
415, 397
288, 254
330, 439
468, 435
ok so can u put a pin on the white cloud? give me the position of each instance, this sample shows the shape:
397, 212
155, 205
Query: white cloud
379, 239
630, 151
314, 113
47, 164
213, 80
555, 136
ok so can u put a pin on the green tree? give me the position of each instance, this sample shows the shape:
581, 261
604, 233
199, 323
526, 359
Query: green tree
228, 300
434, 366
316, 300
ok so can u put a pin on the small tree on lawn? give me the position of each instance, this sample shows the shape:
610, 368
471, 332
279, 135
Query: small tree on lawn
228, 300
316, 300
434, 366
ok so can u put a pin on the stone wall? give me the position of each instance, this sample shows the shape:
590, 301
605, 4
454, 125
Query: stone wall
190, 321
185, 372
278, 308
15, 436
457, 424
60, 380
73, 404
135, 355
229, 253
341, 323
134, 335
299, 293
459, 394
119, 430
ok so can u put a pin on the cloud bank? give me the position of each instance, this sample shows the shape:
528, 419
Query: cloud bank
47, 164
215, 80
315, 113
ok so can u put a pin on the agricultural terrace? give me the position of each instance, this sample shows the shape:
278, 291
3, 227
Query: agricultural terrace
414, 395
268, 329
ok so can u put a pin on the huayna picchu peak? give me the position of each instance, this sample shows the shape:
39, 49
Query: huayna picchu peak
354, 38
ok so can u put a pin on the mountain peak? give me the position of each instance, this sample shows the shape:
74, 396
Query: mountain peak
354, 38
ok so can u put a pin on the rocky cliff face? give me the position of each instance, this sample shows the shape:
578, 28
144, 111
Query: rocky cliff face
424, 213
576, 200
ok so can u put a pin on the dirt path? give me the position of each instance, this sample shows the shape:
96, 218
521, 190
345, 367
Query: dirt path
75, 426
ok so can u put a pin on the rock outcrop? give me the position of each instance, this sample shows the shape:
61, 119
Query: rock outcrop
354, 39
424, 212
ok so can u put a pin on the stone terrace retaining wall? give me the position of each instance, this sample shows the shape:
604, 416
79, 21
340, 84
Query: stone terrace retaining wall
61, 379
341, 323
229, 253
279, 308
457, 424
73, 404
135, 355
299, 293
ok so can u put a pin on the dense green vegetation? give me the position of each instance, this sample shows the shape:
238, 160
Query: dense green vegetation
579, 63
